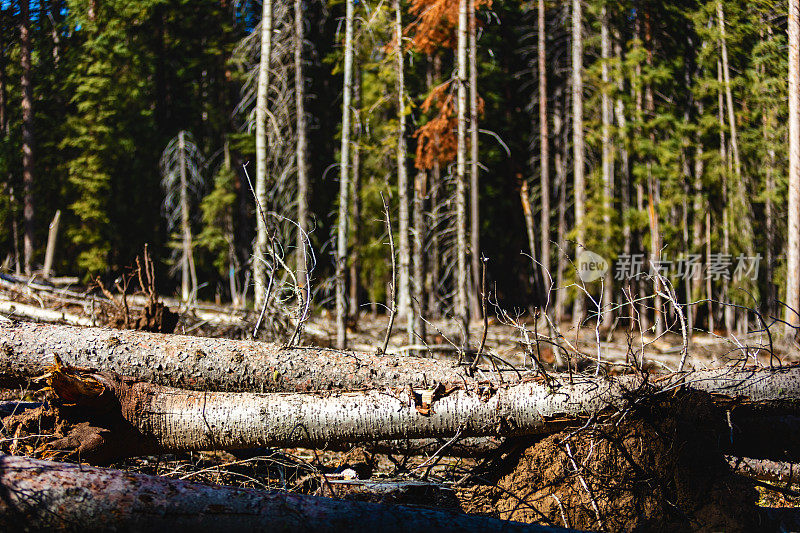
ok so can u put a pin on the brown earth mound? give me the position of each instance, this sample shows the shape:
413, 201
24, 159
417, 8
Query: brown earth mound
656, 467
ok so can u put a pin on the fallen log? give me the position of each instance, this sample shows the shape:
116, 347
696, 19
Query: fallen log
114, 417
766, 470
198, 363
43, 495
18, 310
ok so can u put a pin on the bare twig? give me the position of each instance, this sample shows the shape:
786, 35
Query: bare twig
393, 306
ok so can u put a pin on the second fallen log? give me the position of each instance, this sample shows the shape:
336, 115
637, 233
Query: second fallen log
49, 496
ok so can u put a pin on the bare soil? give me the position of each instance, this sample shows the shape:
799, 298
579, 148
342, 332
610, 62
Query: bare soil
655, 469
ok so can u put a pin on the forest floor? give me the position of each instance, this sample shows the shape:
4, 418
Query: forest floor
630, 476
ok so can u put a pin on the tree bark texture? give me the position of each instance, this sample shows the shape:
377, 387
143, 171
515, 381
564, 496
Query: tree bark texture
45, 495
474, 177
27, 349
302, 148
404, 248
577, 140
544, 144
117, 417
418, 251
462, 304
26, 84
607, 160
344, 178
792, 297
262, 101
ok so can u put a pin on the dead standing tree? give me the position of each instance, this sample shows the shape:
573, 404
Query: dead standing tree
182, 180
277, 204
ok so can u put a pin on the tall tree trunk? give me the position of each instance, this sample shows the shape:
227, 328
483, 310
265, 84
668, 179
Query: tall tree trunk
698, 207
64, 496
561, 177
474, 178
262, 101
344, 177
355, 199
625, 175
462, 302
237, 299
301, 155
792, 298
433, 77
15, 232
418, 285
608, 159
653, 187
544, 145
636, 88
188, 274
4, 126
737, 165
403, 245
727, 312
27, 132
577, 143
769, 120
527, 213
709, 291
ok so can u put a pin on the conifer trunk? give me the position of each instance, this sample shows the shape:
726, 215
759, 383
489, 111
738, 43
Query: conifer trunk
462, 303
737, 165
436, 183
544, 144
403, 245
418, 285
474, 178
301, 155
188, 275
791, 315
577, 143
262, 101
698, 207
727, 311
561, 177
607, 160
26, 85
355, 199
625, 175
344, 178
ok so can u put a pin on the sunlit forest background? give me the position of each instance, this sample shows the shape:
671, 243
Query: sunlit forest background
634, 129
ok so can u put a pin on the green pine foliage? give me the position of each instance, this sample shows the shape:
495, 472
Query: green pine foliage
114, 81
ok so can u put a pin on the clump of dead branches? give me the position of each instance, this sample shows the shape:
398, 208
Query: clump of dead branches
152, 314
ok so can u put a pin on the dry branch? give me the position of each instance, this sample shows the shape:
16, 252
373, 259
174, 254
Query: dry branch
19, 310
43, 495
